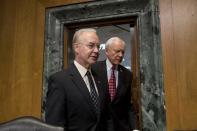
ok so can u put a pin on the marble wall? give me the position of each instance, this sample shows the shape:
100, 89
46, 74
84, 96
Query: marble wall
146, 13
151, 72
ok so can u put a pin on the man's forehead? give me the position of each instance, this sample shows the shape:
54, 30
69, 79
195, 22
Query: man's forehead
117, 47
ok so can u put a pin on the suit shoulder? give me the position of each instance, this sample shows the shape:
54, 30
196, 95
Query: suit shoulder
126, 71
98, 65
124, 68
59, 75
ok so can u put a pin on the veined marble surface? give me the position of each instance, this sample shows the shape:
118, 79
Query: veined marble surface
150, 60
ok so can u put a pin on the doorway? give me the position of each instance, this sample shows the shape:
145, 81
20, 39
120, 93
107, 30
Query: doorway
146, 63
105, 30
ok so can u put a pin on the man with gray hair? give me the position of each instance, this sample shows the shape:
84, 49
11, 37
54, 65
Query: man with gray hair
117, 80
75, 98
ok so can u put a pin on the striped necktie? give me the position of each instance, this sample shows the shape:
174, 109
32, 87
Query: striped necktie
93, 93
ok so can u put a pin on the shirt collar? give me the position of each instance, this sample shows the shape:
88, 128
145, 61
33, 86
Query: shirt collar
109, 65
82, 70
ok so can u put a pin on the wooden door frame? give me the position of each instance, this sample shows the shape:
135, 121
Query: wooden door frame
150, 73
134, 61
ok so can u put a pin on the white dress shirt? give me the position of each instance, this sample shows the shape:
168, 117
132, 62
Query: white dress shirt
82, 71
109, 70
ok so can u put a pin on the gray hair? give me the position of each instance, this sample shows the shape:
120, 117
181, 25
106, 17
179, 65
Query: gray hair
77, 35
112, 40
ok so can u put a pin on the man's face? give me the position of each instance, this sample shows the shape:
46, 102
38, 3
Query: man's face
115, 52
87, 50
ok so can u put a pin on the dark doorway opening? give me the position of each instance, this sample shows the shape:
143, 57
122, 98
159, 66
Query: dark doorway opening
123, 28
146, 61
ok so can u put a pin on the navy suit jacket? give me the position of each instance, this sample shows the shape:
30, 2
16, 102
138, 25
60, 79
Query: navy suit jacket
69, 104
121, 108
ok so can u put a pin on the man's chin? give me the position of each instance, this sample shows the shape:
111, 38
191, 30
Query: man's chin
92, 61
117, 62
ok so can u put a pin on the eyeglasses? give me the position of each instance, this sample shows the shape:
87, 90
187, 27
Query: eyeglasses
92, 45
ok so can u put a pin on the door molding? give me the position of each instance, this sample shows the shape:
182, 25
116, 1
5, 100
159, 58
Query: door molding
145, 15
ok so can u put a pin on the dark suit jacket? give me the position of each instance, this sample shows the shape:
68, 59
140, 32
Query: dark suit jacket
121, 108
69, 103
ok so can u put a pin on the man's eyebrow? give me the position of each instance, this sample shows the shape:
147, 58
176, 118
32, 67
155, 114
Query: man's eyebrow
118, 50
92, 43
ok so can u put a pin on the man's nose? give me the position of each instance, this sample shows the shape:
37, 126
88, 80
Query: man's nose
96, 49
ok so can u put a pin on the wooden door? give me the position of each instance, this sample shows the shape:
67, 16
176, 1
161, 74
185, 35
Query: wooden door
179, 38
22, 25
136, 95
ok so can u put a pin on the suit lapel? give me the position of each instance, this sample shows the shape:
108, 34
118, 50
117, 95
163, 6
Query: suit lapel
104, 71
98, 85
80, 84
120, 84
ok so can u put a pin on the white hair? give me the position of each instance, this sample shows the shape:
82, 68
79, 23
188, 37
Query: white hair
112, 41
77, 35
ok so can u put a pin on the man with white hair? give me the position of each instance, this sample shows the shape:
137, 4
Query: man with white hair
117, 80
75, 98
